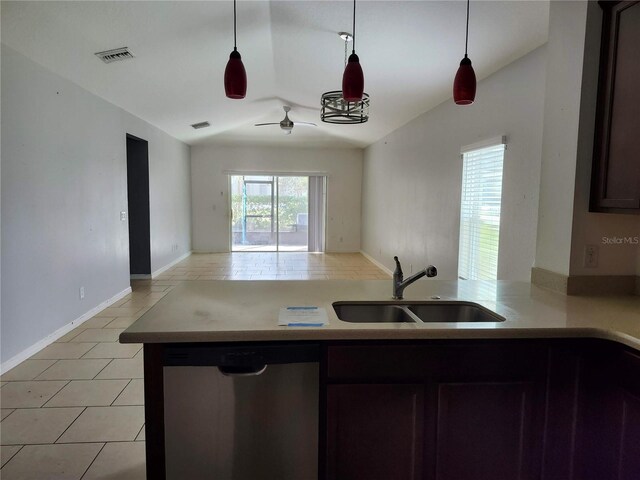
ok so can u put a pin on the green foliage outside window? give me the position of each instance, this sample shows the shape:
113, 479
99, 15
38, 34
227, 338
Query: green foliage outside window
290, 207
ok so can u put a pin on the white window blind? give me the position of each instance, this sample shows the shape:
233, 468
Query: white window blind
480, 212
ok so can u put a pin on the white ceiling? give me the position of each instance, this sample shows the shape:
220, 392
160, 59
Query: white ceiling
409, 52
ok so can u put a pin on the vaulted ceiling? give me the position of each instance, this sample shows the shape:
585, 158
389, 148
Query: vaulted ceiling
409, 51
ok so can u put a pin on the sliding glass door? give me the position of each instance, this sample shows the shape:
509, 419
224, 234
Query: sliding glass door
270, 213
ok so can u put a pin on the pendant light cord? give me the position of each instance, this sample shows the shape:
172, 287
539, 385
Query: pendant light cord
354, 26
235, 46
466, 39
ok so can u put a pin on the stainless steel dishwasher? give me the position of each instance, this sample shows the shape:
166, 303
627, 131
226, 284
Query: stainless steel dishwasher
241, 412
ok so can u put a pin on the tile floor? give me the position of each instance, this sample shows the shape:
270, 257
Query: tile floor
75, 409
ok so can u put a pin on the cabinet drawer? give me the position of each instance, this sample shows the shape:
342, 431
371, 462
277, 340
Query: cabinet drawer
422, 361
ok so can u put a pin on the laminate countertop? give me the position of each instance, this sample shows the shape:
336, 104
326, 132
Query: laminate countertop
241, 311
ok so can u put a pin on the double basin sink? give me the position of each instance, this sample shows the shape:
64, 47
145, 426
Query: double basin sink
414, 312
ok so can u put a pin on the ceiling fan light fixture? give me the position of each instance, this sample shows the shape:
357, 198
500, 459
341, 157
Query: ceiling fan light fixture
464, 84
235, 76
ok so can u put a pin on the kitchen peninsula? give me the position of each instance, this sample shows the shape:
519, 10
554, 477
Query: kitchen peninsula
552, 389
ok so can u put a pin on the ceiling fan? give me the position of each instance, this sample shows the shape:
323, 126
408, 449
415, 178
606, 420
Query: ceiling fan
286, 124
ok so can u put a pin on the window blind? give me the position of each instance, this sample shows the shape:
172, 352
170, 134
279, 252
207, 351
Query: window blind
480, 213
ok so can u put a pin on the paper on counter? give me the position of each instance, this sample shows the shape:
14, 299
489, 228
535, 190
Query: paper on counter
301, 316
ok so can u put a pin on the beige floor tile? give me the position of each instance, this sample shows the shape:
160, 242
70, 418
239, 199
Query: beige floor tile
97, 322
27, 370
141, 436
121, 322
133, 394
51, 462
121, 461
118, 312
80, 369
57, 351
140, 354
29, 394
71, 335
37, 425
5, 412
113, 350
7, 452
99, 335
123, 368
88, 393
105, 424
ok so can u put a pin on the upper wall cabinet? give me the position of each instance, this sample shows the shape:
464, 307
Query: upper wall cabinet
616, 165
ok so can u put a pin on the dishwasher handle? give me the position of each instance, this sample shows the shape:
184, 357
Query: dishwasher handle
242, 371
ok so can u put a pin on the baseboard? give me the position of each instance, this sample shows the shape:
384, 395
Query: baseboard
376, 262
549, 280
36, 347
169, 265
140, 276
586, 284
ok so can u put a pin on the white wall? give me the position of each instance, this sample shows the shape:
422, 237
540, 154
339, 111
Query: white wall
63, 187
565, 224
412, 178
589, 228
210, 189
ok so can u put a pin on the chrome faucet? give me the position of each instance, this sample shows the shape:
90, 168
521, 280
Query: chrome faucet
399, 284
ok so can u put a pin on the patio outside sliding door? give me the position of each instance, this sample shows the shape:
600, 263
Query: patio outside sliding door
271, 213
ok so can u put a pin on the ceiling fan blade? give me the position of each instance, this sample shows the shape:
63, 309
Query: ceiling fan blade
309, 124
263, 124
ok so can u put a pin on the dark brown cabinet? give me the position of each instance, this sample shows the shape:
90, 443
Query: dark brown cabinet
451, 410
608, 429
376, 431
616, 166
445, 411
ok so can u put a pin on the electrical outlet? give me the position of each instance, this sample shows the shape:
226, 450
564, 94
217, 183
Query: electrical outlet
81, 293
591, 256
123, 216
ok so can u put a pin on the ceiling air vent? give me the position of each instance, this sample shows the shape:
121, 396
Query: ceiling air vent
115, 55
201, 125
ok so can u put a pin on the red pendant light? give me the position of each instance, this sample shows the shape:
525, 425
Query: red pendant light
353, 78
464, 85
235, 76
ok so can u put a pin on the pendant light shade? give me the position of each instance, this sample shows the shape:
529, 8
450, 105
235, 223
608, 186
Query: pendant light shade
235, 76
464, 85
353, 80
353, 77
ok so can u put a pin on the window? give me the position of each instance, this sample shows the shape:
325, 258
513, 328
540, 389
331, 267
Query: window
480, 210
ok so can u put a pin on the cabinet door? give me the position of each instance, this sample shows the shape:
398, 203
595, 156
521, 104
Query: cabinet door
484, 430
374, 432
608, 431
616, 167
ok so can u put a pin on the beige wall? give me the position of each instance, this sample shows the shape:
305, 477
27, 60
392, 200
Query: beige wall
412, 178
210, 202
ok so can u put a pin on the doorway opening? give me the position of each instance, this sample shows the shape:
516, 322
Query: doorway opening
138, 200
277, 213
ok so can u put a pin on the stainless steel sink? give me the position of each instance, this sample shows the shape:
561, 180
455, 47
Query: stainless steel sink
373, 313
453, 312
414, 312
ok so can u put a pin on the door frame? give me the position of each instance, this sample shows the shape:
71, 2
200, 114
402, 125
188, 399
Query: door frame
230, 173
